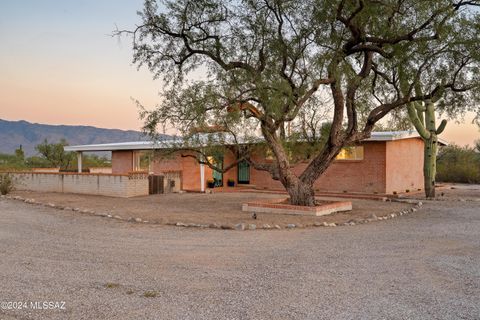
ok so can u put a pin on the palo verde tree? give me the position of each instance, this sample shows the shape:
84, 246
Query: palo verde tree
54, 153
249, 68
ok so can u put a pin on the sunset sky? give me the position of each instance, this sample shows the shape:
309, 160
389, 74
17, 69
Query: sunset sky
59, 65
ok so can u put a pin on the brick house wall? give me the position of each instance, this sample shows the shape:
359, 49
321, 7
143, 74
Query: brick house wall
122, 162
367, 175
404, 165
387, 166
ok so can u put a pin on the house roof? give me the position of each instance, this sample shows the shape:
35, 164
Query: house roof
166, 143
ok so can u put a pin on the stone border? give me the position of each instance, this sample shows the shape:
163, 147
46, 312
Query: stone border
279, 206
238, 226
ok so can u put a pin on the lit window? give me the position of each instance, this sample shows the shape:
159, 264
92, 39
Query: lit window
351, 153
268, 154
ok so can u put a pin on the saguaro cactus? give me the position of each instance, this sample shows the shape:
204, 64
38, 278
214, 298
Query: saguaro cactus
422, 116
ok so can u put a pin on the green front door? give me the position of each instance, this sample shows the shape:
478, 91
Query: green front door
243, 172
218, 176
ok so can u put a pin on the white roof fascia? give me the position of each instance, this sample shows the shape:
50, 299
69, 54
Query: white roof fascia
165, 144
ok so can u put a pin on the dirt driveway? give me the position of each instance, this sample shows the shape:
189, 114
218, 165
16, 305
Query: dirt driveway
421, 266
200, 208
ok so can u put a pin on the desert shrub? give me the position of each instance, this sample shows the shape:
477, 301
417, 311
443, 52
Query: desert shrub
457, 164
7, 183
11, 162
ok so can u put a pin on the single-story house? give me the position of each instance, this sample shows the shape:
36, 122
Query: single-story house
385, 163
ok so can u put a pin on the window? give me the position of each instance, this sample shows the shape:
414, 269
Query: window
141, 161
351, 153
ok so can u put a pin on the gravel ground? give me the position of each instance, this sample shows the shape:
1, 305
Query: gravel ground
421, 266
200, 208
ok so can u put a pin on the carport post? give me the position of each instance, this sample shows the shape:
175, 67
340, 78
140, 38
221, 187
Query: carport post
202, 177
79, 161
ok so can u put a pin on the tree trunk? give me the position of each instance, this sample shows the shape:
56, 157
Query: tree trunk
429, 165
301, 194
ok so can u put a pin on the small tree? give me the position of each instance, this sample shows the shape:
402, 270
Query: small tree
55, 155
263, 61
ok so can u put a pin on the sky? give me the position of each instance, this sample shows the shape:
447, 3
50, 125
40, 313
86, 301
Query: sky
59, 64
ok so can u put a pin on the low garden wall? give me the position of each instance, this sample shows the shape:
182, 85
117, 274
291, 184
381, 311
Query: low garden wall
114, 185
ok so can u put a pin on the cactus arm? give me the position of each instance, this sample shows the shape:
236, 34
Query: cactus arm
430, 117
442, 126
420, 110
412, 114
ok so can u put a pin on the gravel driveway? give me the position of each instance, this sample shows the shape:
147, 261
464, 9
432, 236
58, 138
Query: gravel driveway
422, 266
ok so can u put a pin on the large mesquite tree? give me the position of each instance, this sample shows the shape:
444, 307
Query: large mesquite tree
250, 67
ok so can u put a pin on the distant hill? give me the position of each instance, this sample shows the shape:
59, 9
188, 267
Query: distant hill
16, 133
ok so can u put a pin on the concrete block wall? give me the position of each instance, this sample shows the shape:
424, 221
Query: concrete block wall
97, 184
107, 170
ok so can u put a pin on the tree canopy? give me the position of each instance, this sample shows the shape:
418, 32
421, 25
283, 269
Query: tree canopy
252, 68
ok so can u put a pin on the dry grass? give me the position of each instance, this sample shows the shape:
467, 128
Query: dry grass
150, 294
111, 285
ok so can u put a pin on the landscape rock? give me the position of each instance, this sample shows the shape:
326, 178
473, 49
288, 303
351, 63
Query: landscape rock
101, 214
118, 217
181, 224
138, 220
252, 226
291, 226
277, 227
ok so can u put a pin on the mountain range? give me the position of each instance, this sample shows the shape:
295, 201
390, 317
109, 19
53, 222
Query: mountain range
28, 135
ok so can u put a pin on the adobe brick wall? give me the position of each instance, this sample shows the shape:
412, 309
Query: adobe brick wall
233, 172
98, 184
122, 162
163, 163
386, 167
404, 165
190, 169
367, 175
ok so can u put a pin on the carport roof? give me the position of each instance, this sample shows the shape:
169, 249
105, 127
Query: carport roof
167, 143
